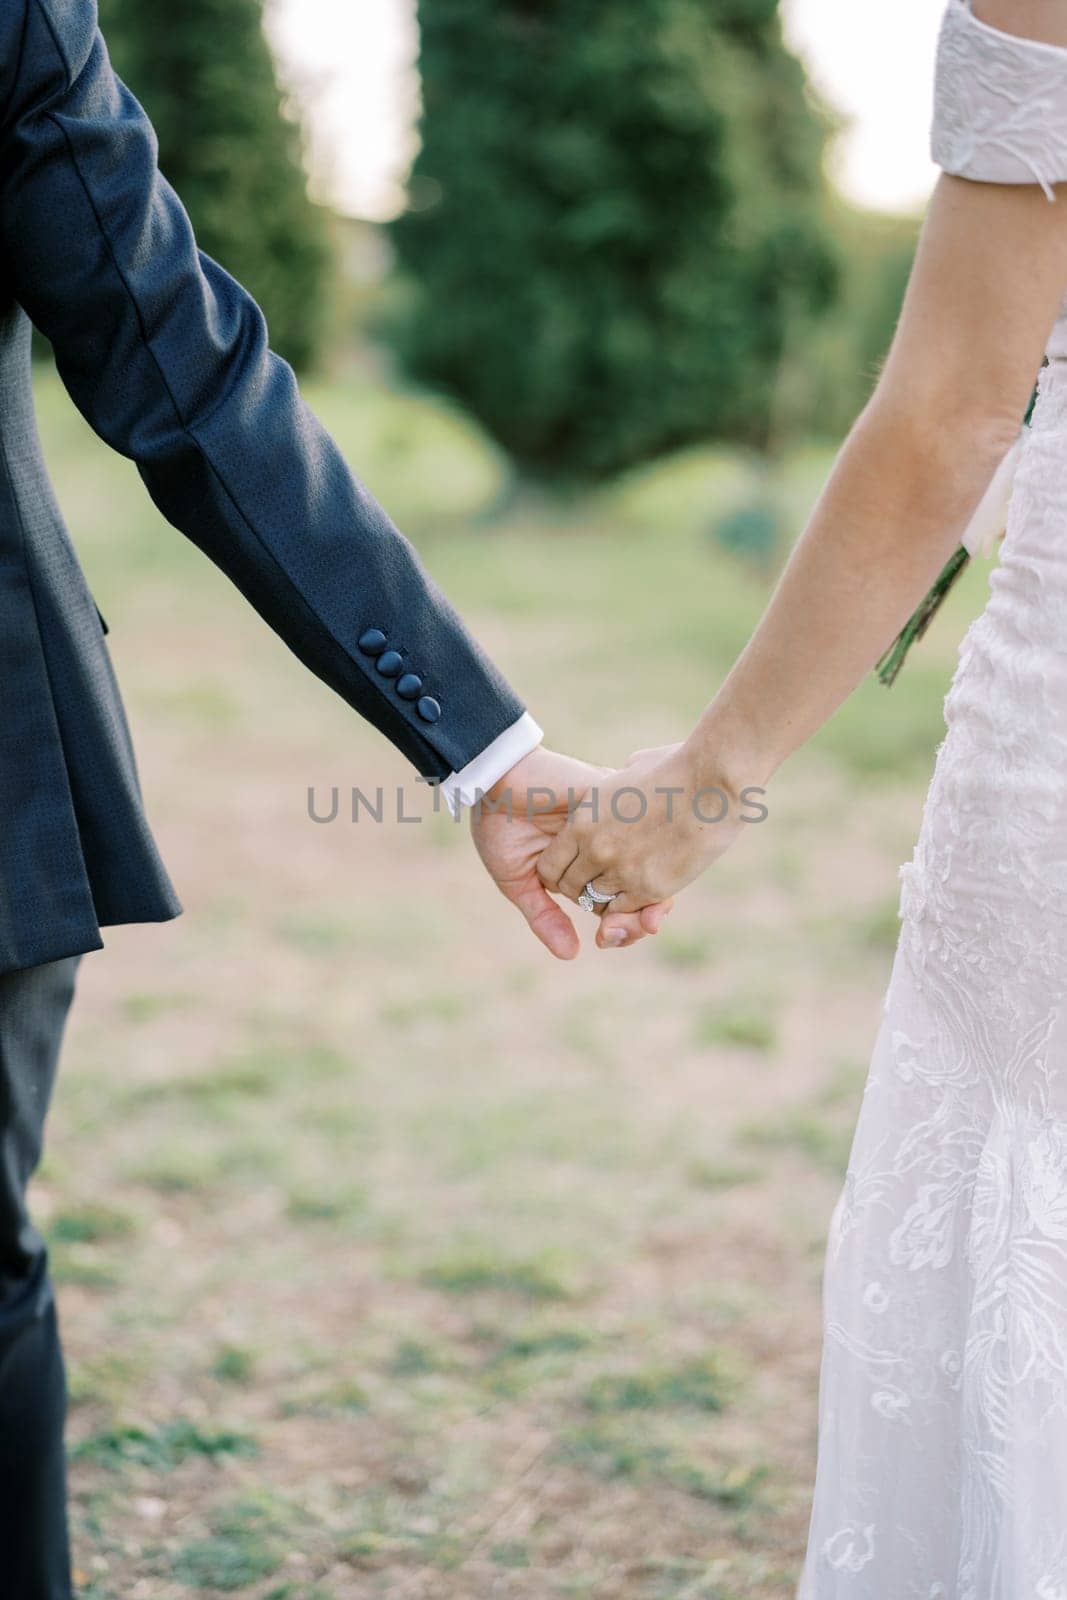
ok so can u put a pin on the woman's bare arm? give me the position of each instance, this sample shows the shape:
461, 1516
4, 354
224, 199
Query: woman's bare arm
985, 288
1045, 20
988, 279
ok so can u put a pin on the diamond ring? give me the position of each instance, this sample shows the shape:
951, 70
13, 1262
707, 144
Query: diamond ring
590, 898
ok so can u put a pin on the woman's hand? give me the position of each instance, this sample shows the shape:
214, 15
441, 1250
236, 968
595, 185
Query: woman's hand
647, 831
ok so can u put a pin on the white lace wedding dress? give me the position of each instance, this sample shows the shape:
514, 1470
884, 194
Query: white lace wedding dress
942, 1466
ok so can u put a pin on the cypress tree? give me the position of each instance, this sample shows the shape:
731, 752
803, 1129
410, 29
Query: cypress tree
616, 224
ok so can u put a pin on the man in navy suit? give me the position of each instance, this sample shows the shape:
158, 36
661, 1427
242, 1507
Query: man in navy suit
168, 359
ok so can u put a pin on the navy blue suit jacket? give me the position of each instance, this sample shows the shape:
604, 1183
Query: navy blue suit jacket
168, 359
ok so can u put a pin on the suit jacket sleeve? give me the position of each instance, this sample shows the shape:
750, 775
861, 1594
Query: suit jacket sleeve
167, 357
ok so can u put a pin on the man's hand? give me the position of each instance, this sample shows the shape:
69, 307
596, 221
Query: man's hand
512, 826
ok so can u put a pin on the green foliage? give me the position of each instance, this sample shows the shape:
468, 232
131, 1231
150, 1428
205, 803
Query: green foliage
469, 1272
234, 1364
616, 226
247, 1543
845, 352
743, 1027
227, 143
164, 1447
89, 1225
696, 1385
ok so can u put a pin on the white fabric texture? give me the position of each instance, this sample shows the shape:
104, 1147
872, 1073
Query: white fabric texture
478, 776
942, 1461
991, 515
1000, 104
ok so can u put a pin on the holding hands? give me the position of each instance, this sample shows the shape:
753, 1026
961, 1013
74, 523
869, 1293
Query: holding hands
515, 822
617, 843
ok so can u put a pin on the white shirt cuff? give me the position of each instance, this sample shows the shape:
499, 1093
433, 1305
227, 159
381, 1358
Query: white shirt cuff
478, 776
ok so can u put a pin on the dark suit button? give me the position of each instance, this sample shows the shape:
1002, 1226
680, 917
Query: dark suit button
428, 708
390, 664
372, 643
409, 686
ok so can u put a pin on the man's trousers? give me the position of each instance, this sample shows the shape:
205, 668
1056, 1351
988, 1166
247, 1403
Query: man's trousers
34, 1546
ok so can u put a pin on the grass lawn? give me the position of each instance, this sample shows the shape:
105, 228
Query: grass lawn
394, 1259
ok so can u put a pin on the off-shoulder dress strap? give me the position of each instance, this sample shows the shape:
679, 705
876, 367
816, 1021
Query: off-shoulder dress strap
1000, 104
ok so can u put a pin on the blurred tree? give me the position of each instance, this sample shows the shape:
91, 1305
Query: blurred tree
845, 354
204, 73
616, 222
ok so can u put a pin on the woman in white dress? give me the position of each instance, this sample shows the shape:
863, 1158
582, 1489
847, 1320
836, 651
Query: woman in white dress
942, 1468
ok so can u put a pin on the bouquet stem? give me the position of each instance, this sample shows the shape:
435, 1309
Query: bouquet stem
889, 665
891, 662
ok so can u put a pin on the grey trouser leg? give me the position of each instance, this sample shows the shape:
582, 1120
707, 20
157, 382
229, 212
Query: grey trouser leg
34, 1548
